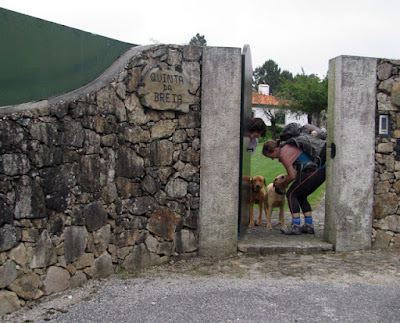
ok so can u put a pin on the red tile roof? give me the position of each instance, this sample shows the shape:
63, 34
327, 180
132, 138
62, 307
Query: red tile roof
262, 99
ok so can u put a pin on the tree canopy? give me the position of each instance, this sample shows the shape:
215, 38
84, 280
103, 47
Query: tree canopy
307, 93
198, 40
270, 73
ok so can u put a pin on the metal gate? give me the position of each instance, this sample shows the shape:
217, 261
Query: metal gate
246, 100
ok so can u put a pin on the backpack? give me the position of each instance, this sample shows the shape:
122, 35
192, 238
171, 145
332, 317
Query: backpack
295, 129
300, 136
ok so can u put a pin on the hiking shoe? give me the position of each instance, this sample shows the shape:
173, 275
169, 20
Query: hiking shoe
306, 228
291, 229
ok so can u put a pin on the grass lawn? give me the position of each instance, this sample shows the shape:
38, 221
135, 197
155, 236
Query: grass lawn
269, 169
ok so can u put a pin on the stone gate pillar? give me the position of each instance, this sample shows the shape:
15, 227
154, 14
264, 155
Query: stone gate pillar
350, 173
220, 151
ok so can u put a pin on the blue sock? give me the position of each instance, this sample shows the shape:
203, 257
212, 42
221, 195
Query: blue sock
296, 221
308, 220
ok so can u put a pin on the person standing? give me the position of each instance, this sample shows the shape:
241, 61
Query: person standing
255, 129
306, 177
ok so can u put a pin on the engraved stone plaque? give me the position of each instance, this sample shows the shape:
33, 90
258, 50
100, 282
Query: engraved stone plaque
166, 90
396, 94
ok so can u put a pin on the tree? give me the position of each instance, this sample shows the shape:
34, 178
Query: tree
274, 116
308, 94
270, 73
198, 40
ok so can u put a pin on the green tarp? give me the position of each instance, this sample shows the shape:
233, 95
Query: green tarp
40, 59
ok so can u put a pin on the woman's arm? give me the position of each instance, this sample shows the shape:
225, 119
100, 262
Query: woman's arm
291, 175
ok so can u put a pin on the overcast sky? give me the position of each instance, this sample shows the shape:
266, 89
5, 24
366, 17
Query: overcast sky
294, 33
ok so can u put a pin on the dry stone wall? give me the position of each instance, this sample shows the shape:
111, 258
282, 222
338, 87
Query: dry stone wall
105, 182
386, 223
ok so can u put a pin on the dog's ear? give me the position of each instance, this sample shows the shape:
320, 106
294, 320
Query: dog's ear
265, 182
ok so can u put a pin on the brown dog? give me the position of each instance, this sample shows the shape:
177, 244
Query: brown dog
275, 198
257, 196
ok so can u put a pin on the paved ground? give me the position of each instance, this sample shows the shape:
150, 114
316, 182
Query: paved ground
362, 286
323, 287
260, 241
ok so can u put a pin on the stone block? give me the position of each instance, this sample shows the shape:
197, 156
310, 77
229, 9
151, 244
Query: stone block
14, 164
127, 189
108, 101
149, 185
109, 193
176, 188
103, 266
151, 243
185, 241
189, 120
9, 302
161, 153
192, 53
89, 173
139, 258
129, 164
179, 136
135, 134
99, 240
12, 135
384, 71
75, 242
6, 216
30, 235
396, 241
57, 280
163, 129
164, 248
396, 94
44, 253
9, 237
30, 200
26, 286
78, 279
163, 223
385, 148
86, 260
126, 238
382, 240
384, 205
73, 134
142, 205
95, 216
19, 254
163, 173
8, 273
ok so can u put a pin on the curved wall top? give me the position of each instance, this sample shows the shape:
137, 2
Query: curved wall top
40, 59
116, 67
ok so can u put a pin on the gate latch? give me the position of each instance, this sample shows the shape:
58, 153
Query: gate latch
333, 150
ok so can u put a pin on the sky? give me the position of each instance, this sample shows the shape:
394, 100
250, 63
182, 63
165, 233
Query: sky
298, 35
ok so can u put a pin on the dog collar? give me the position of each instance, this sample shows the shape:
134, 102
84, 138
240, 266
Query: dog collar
278, 191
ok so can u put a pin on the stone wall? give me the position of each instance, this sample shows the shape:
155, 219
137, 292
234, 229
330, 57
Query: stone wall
98, 184
386, 223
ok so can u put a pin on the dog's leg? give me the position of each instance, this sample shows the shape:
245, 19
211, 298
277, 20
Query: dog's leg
251, 224
268, 213
259, 221
282, 216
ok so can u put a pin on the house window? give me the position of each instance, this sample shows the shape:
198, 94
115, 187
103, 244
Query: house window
280, 117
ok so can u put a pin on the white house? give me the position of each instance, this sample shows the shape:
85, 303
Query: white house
262, 103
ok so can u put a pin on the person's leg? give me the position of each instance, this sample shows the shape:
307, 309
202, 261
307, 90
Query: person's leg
315, 180
294, 207
297, 199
